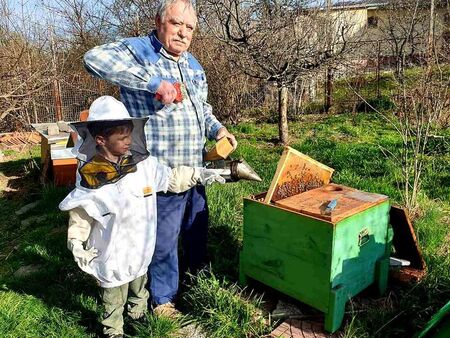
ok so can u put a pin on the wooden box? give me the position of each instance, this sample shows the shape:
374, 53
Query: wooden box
56, 159
320, 258
64, 167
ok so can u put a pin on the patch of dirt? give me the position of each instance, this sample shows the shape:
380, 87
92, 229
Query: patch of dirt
444, 250
27, 270
192, 331
18, 174
4, 180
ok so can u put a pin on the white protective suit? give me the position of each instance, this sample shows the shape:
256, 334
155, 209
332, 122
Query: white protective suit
116, 222
122, 222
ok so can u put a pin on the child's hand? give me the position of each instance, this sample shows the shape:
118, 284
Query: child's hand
184, 178
82, 257
209, 176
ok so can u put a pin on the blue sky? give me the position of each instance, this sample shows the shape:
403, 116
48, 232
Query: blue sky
36, 9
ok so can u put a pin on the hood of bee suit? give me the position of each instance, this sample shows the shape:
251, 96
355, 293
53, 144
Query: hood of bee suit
107, 108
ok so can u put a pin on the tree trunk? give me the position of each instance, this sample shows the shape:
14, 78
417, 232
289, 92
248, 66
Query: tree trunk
282, 114
378, 68
57, 100
329, 71
328, 89
431, 39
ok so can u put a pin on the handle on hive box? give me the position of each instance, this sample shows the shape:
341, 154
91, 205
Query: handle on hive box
363, 237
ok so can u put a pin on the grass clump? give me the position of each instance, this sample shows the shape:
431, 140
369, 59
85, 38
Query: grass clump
160, 327
28, 316
222, 308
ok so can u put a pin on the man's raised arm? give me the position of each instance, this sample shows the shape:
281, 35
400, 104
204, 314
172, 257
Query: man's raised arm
115, 63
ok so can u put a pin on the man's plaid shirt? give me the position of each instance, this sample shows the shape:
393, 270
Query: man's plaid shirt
175, 132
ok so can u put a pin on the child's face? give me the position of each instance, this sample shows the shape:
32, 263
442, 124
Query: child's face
117, 144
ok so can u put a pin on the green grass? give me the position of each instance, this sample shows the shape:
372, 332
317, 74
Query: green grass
222, 308
57, 300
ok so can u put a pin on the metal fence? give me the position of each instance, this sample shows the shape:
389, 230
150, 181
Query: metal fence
65, 98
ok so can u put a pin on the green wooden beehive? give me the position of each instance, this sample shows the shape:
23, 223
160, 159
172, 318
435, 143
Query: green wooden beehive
319, 258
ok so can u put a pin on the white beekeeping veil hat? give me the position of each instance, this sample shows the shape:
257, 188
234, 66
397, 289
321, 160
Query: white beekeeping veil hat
109, 109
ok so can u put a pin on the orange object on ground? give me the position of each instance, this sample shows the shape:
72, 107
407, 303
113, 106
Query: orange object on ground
64, 171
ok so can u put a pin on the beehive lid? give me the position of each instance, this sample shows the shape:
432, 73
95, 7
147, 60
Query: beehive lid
59, 154
42, 129
314, 202
296, 173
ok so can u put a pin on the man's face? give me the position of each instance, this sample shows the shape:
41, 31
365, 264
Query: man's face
175, 30
117, 144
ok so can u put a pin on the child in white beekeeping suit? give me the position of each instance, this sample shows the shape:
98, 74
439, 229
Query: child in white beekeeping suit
112, 225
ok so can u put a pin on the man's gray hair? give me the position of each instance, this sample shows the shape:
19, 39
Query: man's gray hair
165, 4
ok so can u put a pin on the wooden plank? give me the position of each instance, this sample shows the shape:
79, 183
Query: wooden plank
296, 173
45, 149
405, 241
349, 202
41, 128
65, 161
16, 140
220, 151
282, 248
299, 328
46, 166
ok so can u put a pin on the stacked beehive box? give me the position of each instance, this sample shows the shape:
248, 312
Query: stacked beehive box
321, 257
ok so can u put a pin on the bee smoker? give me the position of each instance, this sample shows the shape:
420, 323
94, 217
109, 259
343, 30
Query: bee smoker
234, 170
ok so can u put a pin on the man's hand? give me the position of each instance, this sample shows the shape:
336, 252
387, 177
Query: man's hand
223, 132
166, 92
81, 256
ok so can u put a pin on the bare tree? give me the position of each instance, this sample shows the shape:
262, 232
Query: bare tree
404, 29
421, 102
418, 109
276, 41
24, 64
131, 17
79, 25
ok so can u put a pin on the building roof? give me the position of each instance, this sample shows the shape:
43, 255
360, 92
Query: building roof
355, 4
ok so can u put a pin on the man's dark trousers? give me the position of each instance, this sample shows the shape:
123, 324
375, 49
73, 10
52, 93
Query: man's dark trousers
185, 213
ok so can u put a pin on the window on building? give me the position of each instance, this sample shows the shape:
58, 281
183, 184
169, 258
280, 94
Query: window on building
372, 21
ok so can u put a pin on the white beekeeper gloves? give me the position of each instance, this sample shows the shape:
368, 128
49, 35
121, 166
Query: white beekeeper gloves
184, 178
82, 256
79, 229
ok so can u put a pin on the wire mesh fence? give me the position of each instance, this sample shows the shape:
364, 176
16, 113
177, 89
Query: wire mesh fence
65, 98
363, 74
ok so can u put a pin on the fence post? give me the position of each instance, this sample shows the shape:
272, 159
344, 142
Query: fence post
378, 68
328, 88
101, 87
57, 99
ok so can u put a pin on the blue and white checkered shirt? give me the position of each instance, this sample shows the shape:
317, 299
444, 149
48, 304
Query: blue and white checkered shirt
175, 132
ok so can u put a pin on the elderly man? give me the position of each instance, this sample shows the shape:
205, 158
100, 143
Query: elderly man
146, 69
